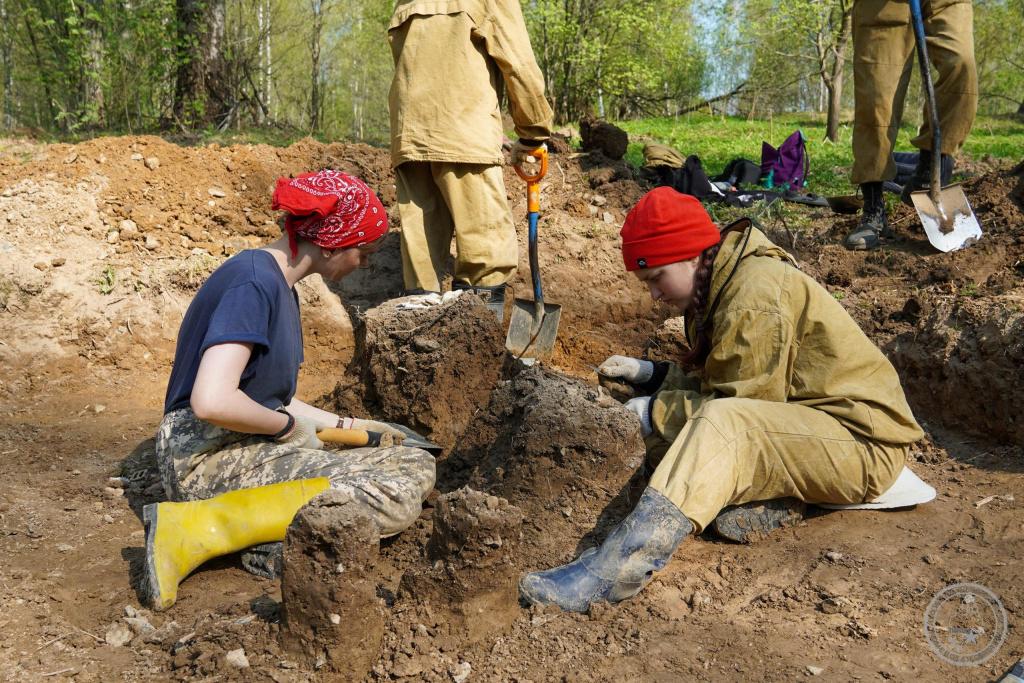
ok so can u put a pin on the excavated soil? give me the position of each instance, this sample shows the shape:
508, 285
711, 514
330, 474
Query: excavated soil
104, 243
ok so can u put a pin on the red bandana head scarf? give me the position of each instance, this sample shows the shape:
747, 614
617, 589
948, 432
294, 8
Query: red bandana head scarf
329, 208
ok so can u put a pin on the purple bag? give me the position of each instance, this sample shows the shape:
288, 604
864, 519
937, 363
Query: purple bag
787, 165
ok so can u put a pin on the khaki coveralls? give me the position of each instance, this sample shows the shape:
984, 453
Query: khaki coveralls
795, 401
452, 59
883, 57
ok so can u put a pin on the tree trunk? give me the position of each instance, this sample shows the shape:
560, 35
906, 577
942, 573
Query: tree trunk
200, 90
314, 51
834, 82
6, 55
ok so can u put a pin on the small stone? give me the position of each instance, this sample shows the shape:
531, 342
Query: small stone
833, 556
607, 217
117, 482
285, 664
340, 568
113, 236
152, 242
64, 548
129, 227
217, 192
108, 519
567, 512
39, 265
58, 261
831, 606
137, 157
130, 611
492, 502
815, 670
460, 672
237, 659
425, 345
152, 163
598, 200
113, 493
930, 559
139, 625
71, 158
118, 635
335, 619
98, 408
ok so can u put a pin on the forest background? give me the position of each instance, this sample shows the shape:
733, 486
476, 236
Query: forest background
287, 68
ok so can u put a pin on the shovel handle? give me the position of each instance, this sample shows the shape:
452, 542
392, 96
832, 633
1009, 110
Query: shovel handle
354, 438
917, 19
541, 153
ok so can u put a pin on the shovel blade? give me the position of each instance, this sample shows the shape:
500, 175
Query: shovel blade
416, 440
529, 337
951, 224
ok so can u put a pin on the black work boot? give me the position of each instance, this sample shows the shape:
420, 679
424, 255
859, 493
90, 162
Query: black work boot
873, 221
494, 296
922, 178
264, 560
748, 522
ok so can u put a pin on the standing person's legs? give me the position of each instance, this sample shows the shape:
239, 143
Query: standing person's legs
737, 450
950, 29
883, 55
487, 252
426, 226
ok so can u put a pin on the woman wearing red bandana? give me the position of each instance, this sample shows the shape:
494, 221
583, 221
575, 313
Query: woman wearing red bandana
782, 401
235, 445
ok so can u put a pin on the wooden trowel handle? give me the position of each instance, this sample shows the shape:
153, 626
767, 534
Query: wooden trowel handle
354, 438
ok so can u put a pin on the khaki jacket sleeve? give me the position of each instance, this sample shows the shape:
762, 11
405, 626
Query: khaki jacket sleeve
508, 43
751, 357
679, 397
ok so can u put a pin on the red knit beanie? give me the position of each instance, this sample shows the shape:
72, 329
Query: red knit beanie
664, 227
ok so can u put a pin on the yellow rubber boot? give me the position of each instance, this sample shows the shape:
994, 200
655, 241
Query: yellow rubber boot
182, 536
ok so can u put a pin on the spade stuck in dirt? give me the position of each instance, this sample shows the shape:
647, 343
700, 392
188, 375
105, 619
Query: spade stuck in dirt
534, 324
947, 217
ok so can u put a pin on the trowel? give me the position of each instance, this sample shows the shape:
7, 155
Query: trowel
947, 217
359, 438
534, 324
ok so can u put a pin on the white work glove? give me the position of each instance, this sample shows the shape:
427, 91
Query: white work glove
397, 435
641, 407
302, 434
632, 370
522, 154
421, 301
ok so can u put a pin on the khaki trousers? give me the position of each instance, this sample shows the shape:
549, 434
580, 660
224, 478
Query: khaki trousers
740, 450
883, 56
437, 200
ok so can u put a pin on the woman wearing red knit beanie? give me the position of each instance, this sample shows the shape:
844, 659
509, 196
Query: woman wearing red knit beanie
237, 451
781, 401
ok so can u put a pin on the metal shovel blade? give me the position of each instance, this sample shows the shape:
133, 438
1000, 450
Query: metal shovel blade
416, 440
950, 225
532, 331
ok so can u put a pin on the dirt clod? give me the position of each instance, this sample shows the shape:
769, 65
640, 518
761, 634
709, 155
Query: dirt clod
327, 532
597, 134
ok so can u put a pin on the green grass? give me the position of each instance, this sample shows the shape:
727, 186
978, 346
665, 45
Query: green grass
719, 139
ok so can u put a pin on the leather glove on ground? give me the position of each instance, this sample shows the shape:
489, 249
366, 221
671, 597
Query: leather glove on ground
302, 434
397, 435
641, 407
632, 370
522, 150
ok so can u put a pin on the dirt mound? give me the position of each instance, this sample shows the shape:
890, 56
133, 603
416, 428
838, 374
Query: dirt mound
596, 134
472, 554
964, 365
562, 450
331, 616
430, 369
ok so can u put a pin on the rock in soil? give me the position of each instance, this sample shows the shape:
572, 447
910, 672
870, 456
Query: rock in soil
472, 577
563, 451
331, 562
430, 369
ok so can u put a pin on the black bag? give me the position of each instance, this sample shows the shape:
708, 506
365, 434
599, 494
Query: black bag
689, 179
739, 172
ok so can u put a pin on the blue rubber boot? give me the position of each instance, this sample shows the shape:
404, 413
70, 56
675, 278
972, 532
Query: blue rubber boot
639, 546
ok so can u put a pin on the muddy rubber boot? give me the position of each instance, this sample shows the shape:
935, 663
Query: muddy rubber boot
639, 546
264, 560
494, 296
922, 177
873, 221
182, 536
748, 522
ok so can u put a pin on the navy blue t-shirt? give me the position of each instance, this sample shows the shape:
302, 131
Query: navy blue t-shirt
246, 300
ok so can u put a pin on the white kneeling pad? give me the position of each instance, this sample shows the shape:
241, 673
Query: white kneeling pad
907, 490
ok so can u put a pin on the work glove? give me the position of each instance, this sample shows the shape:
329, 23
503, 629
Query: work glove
522, 151
397, 435
420, 301
302, 434
641, 407
632, 370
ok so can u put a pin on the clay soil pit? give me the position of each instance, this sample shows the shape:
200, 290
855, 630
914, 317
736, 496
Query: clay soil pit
85, 380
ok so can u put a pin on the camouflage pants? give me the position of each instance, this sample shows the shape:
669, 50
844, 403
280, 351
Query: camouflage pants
199, 460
